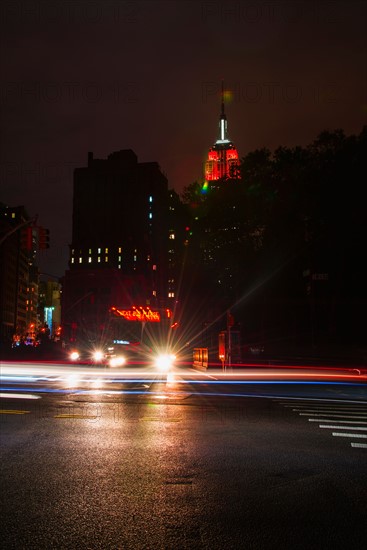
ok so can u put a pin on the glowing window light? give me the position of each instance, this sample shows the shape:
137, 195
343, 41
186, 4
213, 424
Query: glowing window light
99, 259
90, 251
106, 250
150, 198
89, 260
99, 250
80, 260
119, 250
106, 259
150, 215
72, 260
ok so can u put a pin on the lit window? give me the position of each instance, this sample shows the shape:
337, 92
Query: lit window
120, 249
89, 260
13, 214
99, 259
154, 293
99, 250
134, 258
150, 215
106, 259
106, 250
154, 267
119, 258
72, 260
72, 251
172, 236
119, 266
90, 251
150, 199
80, 260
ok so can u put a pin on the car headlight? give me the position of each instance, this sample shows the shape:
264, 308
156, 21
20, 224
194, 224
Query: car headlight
74, 355
117, 361
98, 355
164, 362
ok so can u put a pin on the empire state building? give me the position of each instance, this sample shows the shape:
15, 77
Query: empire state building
223, 161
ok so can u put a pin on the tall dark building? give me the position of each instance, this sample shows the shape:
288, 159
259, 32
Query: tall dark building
118, 254
18, 275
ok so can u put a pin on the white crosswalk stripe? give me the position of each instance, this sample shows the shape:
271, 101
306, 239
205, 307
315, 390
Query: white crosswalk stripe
349, 418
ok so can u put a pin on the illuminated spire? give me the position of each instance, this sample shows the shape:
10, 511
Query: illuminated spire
223, 161
223, 121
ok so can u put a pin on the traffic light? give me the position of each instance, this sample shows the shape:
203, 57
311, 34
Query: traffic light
26, 238
43, 238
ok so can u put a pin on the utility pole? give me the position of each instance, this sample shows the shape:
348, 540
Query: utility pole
230, 323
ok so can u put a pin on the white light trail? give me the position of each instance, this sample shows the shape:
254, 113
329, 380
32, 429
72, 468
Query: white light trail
19, 396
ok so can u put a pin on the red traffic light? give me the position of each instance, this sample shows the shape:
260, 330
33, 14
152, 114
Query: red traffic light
26, 238
43, 238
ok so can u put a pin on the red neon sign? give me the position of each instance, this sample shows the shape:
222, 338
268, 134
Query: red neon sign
138, 314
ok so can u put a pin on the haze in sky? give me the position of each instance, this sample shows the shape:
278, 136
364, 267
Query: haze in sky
108, 75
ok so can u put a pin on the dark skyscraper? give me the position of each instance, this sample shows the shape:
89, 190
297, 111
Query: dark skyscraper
118, 254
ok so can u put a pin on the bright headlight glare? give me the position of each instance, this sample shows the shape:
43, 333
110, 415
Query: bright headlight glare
97, 355
117, 361
74, 356
164, 362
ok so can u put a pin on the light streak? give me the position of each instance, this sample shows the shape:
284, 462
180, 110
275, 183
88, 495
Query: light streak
19, 396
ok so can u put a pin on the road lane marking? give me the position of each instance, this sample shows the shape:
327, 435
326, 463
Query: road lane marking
13, 411
80, 416
318, 401
334, 415
339, 409
158, 419
360, 436
336, 421
359, 428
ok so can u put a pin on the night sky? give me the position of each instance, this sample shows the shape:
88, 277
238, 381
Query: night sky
107, 75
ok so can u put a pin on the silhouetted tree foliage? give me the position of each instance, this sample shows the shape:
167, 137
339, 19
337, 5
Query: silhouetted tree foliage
284, 244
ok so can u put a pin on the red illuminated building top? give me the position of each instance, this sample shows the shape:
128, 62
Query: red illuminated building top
223, 158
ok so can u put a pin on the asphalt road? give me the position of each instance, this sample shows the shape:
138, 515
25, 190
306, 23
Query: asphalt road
200, 462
